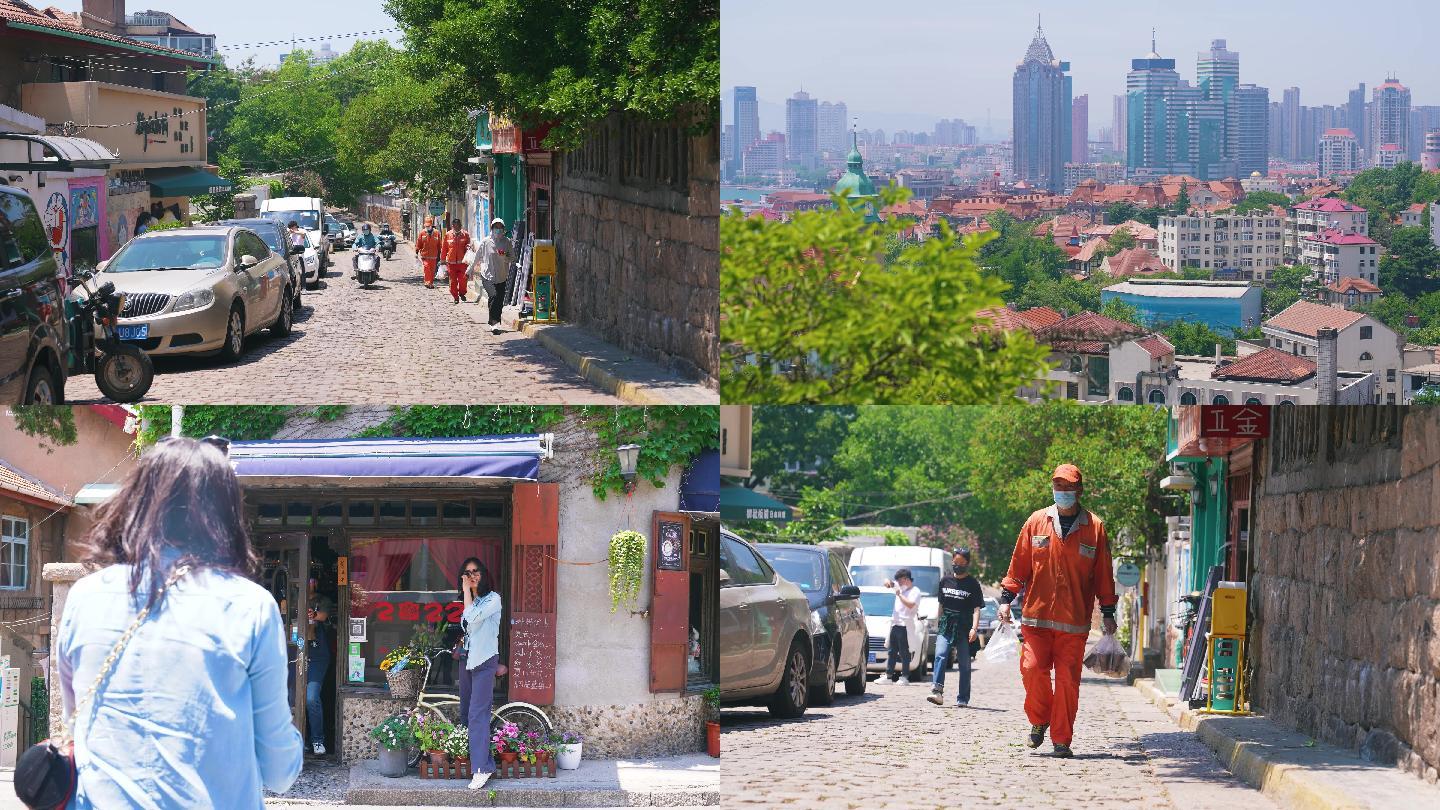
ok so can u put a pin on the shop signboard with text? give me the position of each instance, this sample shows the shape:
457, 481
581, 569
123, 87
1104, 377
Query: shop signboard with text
146, 128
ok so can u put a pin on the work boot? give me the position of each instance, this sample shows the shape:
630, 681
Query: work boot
936, 697
1063, 751
1037, 736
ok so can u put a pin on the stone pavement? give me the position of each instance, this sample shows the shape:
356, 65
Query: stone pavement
396, 343
890, 748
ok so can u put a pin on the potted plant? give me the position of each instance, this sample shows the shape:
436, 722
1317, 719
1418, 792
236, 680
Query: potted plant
402, 672
394, 735
505, 744
627, 568
568, 749
712, 721
457, 747
433, 734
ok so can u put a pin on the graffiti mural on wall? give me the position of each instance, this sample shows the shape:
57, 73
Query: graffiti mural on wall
57, 228
84, 207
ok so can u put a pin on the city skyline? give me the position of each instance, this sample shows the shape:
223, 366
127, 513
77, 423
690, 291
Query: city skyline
882, 92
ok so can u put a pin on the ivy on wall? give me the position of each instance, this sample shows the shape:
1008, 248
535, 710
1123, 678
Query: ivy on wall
55, 423
667, 434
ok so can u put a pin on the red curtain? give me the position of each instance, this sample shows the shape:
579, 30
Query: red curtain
450, 552
375, 566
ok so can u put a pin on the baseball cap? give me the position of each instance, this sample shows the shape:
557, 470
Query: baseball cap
1067, 472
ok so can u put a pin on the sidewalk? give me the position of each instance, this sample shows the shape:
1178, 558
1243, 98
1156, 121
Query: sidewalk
1293, 769
612, 369
689, 780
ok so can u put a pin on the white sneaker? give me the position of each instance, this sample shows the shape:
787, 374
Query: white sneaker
478, 780
318, 749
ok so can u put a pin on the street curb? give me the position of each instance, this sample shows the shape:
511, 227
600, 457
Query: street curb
592, 368
522, 797
1259, 764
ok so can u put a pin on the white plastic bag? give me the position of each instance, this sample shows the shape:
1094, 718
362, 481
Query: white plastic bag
1004, 645
1107, 657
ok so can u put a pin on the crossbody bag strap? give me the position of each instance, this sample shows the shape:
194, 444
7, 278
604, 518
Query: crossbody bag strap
64, 735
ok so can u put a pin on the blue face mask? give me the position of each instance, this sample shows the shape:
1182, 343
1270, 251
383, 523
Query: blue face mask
1065, 500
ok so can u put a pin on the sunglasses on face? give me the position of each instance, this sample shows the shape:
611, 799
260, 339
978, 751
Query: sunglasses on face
472, 572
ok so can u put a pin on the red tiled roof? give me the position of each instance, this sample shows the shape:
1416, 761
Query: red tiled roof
1306, 318
29, 489
1040, 317
1156, 345
1136, 261
1010, 319
1352, 284
67, 25
1328, 204
1086, 252
1087, 332
1268, 365
1330, 236
1339, 131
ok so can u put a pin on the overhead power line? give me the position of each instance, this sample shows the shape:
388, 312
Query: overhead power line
244, 45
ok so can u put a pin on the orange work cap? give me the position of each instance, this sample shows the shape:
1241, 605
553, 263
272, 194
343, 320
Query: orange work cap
1067, 472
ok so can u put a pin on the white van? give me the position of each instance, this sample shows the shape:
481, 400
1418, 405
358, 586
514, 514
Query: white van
309, 212
872, 565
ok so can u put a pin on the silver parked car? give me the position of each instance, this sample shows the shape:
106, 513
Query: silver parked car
765, 631
199, 290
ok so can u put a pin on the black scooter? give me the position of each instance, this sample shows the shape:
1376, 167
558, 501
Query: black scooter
387, 243
123, 371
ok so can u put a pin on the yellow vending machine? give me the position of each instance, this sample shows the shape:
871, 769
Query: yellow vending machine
543, 289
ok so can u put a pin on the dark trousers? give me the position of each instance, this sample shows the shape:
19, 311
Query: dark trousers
477, 714
315, 671
464, 679
496, 291
899, 652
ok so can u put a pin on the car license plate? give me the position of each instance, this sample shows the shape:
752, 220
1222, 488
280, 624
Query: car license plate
137, 332
873, 659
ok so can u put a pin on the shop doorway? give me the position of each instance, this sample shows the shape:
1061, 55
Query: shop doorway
703, 665
325, 570
284, 565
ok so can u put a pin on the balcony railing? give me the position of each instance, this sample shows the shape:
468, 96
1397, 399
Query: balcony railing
162, 20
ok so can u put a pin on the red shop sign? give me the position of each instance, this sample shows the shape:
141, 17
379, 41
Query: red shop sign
417, 611
1234, 421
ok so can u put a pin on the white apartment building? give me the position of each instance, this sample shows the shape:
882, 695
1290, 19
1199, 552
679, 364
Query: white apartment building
1435, 223
1364, 344
1308, 218
1339, 151
1336, 255
1247, 244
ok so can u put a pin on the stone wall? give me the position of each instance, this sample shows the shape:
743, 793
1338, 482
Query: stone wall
1345, 640
637, 231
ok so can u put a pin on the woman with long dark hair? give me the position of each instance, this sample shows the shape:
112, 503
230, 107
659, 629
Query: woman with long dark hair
193, 711
482, 663
462, 645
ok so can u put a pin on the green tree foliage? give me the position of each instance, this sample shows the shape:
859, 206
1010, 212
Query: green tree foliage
1385, 192
895, 537
1194, 338
1118, 212
1181, 206
1121, 311
1260, 201
1411, 265
1426, 396
1065, 294
1392, 310
811, 316
53, 423
1286, 285
573, 62
790, 434
1120, 240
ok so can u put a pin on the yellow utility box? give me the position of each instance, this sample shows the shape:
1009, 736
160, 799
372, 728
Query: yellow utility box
542, 287
1227, 611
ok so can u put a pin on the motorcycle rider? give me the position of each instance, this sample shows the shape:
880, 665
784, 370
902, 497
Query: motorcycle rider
365, 240
387, 239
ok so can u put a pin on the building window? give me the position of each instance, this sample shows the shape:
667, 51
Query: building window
14, 553
1098, 376
1220, 399
1389, 375
1157, 396
1076, 364
1126, 395
1366, 356
1187, 398
1254, 401
1365, 332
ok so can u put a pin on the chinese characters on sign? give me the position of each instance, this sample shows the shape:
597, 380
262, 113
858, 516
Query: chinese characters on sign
532, 652
765, 513
417, 611
1235, 421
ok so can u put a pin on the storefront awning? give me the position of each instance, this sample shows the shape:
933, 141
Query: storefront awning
478, 457
96, 493
739, 503
184, 182
700, 485
58, 154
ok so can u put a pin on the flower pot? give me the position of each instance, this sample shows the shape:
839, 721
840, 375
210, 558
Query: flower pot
712, 737
404, 684
542, 757
392, 762
569, 757
509, 757
437, 758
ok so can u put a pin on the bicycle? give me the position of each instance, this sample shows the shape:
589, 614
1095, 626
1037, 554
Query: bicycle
527, 716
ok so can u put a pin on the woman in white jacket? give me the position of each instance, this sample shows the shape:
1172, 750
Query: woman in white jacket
492, 267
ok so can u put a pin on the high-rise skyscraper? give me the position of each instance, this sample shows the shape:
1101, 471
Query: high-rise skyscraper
1080, 129
747, 125
1117, 126
1339, 151
1217, 71
802, 129
1355, 118
1148, 87
1041, 116
1252, 117
834, 129
1389, 118
1290, 129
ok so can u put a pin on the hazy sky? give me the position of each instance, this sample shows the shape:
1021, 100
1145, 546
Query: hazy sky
242, 22
906, 64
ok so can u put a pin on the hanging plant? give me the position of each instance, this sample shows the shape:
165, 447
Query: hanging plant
627, 567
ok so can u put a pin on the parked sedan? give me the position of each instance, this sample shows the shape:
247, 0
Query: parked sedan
302, 268
199, 290
765, 632
835, 605
335, 230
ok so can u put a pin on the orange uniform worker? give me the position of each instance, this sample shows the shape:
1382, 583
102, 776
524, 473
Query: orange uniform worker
1062, 562
452, 252
427, 248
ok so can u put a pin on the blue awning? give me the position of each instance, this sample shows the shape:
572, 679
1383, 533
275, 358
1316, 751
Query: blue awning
507, 457
700, 484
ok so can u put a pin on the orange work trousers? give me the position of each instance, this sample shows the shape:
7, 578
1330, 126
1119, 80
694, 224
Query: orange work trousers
1042, 651
429, 265
458, 282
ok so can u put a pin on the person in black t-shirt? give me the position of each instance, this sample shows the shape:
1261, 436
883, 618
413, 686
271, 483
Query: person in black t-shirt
960, 603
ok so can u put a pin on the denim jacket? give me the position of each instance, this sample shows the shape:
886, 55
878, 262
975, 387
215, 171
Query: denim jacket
194, 712
482, 629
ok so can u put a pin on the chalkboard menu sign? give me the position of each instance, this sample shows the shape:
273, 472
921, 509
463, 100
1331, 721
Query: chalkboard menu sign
671, 547
532, 652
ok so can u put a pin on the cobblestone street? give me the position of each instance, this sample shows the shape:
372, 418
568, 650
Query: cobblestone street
396, 343
890, 748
